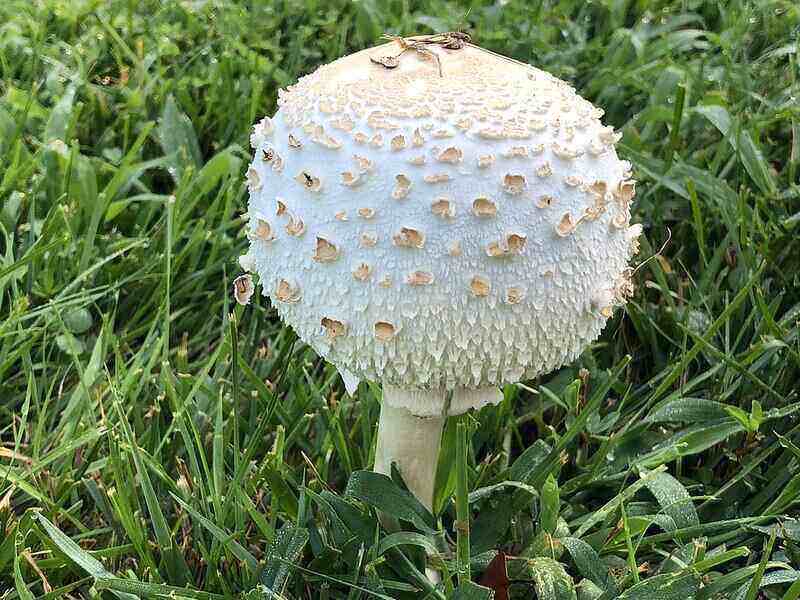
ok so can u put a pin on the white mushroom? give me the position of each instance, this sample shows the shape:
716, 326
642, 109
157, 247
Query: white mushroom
503, 221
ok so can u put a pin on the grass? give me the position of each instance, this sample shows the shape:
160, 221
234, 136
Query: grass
158, 441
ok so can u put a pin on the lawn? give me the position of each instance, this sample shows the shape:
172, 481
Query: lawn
158, 440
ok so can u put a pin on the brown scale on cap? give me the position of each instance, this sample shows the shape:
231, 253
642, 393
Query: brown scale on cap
253, 180
350, 179
295, 226
402, 187
492, 132
417, 161
485, 161
602, 302
417, 139
267, 155
625, 191
545, 201
360, 137
512, 243
326, 106
386, 281
280, 207
454, 248
418, 278
624, 194
344, 123
484, 207
325, 251
565, 152
516, 152
566, 225
514, 183
598, 188
597, 193
294, 142
443, 207
288, 293
243, 288
544, 170
341, 216
514, 295
366, 213
263, 230
376, 140
367, 240
323, 139
378, 120
364, 164
480, 286
264, 127
608, 136
573, 180
500, 103
628, 172
597, 148
623, 287
333, 327
620, 220
516, 242
398, 142
362, 271
277, 163
452, 155
384, 331
436, 178
409, 237
593, 212
634, 241
308, 181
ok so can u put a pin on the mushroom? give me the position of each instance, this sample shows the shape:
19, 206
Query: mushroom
468, 243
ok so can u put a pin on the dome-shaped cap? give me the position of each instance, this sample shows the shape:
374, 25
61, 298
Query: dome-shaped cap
444, 220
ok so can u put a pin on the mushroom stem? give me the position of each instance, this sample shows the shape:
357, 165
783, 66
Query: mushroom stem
412, 443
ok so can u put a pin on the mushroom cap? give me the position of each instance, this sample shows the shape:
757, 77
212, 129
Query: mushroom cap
450, 224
